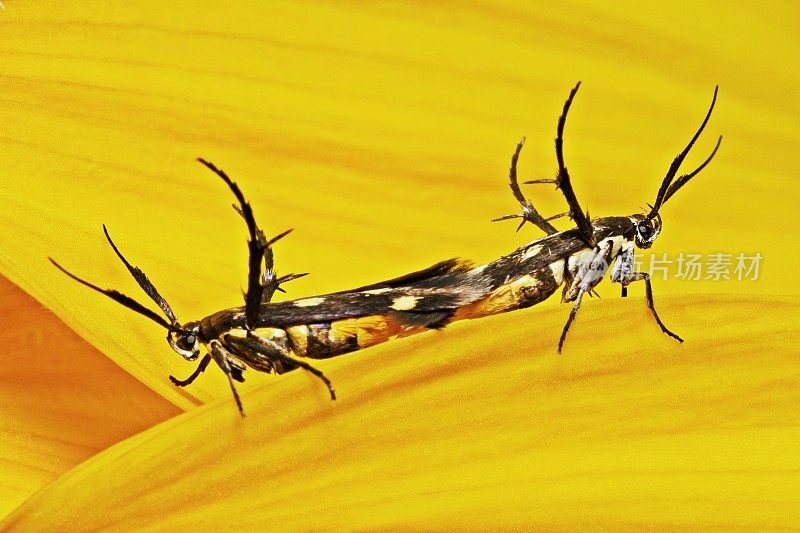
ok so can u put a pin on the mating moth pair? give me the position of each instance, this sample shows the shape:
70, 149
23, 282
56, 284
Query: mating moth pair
281, 336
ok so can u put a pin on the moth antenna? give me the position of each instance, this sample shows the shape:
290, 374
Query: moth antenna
681, 181
529, 212
118, 297
563, 180
676, 163
143, 281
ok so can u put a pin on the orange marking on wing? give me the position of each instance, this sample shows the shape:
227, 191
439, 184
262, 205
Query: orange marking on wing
371, 330
298, 335
367, 330
503, 298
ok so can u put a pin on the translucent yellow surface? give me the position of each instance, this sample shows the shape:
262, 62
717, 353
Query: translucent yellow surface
465, 431
382, 133
62, 400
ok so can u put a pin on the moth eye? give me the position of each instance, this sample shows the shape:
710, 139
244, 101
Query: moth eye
190, 339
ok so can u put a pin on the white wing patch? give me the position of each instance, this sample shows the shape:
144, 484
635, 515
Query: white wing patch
309, 302
532, 251
378, 291
557, 268
404, 303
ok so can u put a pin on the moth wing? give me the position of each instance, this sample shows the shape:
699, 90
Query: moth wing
415, 305
442, 267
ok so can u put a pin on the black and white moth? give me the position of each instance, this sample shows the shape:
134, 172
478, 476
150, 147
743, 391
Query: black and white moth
280, 336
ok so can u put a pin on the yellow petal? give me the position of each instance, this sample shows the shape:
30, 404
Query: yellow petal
62, 400
382, 134
469, 430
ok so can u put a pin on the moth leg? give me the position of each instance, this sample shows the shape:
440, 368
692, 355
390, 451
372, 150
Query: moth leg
284, 357
588, 272
586, 277
258, 244
571, 318
638, 276
264, 354
529, 213
220, 356
197, 371
308, 368
257, 247
563, 180
269, 278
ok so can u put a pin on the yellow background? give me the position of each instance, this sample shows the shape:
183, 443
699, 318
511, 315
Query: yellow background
382, 133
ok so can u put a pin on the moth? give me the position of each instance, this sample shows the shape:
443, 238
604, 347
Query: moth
277, 337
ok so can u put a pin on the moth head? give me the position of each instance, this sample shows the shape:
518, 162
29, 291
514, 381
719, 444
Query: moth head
646, 230
185, 341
